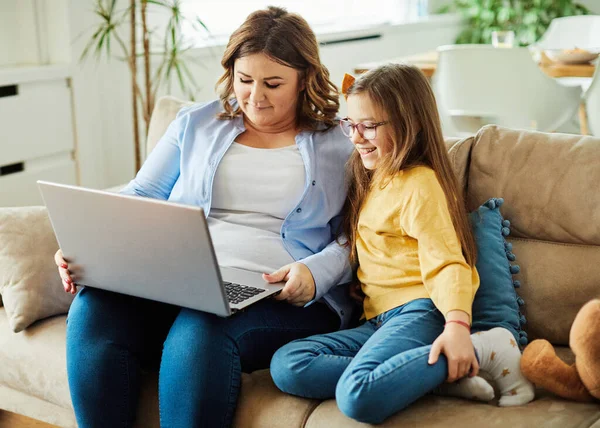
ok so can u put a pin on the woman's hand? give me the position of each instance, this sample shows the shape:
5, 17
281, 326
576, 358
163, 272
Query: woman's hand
63, 271
455, 343
299, 286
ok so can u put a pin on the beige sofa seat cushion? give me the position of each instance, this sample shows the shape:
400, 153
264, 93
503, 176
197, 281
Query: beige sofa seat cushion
20, 403
29, 281
545, 411
33, 361
432, 411
34, 364
261, 404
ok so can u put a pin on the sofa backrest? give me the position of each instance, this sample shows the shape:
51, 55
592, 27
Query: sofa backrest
165, 111
549, 183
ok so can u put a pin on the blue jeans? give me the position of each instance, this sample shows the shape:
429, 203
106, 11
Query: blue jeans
111, 337
373, 370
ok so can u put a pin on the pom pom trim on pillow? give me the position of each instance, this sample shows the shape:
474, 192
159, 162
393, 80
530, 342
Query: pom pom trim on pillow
496, 303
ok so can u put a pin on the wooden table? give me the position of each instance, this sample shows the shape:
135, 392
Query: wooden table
427, 62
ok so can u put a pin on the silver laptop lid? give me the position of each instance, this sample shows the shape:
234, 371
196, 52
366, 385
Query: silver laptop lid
140, 246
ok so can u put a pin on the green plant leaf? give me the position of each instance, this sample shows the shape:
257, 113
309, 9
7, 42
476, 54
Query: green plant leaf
528, 18
487, 16
173, 62
202, 24
474, 11
503, 15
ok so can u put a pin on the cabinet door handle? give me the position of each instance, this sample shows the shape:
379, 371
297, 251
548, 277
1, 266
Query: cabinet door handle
12, 168
9, 91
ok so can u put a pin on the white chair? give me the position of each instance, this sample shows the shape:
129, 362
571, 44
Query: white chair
592, 104
581, 31
476, 85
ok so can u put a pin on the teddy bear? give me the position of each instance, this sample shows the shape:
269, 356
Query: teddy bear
579, 381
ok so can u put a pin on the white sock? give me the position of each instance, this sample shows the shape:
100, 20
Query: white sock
472, 388
500, 357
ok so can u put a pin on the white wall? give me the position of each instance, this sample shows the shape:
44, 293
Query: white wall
8, 49
18, 35
102, 102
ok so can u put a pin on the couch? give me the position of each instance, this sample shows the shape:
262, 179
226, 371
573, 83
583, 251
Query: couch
549, 184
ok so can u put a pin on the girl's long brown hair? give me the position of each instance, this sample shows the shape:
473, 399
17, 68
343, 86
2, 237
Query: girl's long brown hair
287, 39
403, 92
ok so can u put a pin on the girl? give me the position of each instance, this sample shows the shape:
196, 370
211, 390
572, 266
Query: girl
408, 231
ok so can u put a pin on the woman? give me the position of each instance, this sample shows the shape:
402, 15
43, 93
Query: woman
266, 162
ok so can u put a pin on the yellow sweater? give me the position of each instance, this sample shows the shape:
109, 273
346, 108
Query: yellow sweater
408, 248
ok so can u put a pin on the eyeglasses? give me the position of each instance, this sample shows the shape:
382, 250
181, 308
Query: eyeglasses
367, 130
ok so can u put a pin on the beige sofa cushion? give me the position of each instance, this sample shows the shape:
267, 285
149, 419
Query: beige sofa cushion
460, 155
548, 182
165, 111
443, 412
29, 282
261, 404
557, 280
33, 361
34, 364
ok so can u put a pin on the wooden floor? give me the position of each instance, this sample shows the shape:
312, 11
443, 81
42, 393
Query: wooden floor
11, 420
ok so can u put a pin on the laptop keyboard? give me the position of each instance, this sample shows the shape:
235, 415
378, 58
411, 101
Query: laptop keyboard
237, 293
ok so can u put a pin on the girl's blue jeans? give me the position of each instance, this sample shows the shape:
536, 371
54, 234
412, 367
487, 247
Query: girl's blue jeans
112, 337
373, 370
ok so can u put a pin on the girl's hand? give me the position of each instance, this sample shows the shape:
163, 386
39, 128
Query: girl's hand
299, 286
356, 292
455, 343
63, 271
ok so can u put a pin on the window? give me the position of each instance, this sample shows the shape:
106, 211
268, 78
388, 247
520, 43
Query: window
223, 16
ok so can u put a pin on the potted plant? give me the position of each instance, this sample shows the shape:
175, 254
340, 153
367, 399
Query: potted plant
163, 53
529, 19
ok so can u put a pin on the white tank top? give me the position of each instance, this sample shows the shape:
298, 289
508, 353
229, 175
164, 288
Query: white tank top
253, 192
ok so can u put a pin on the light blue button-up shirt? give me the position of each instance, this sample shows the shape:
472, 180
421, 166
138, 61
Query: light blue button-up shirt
182, 167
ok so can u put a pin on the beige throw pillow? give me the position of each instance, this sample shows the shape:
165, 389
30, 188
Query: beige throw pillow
29, 281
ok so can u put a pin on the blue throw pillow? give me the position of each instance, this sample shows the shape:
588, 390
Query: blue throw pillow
496, 302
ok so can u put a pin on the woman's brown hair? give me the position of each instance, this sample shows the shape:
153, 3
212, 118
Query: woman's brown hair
403, 93
287, 39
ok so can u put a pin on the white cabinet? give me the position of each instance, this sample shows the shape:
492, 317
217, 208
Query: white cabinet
37, 137
37, 133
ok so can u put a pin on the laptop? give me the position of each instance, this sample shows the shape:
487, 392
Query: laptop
147, 248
